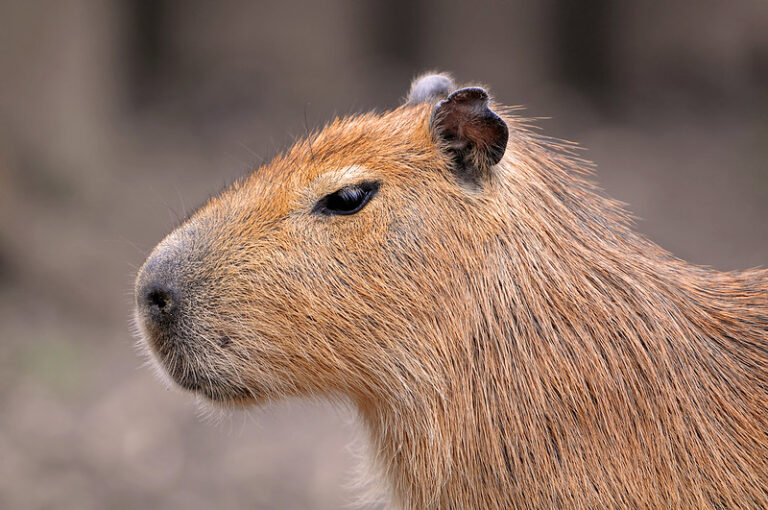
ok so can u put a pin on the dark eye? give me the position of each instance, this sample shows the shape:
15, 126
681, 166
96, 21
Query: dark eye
348, 200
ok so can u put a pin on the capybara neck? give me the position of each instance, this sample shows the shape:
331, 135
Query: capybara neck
583, 367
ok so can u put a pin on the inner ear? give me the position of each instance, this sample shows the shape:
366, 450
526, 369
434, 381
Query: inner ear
473, 134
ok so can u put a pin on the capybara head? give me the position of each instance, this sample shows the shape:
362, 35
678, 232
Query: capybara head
340, 268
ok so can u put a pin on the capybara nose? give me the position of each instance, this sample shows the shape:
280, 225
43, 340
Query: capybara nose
161, 304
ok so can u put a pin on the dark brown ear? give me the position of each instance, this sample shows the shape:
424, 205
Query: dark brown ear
470, 131
430, 88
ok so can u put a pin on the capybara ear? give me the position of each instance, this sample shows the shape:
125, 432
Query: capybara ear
430, 88
473, 134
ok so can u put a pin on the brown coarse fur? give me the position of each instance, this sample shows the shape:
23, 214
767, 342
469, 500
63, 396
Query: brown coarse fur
509, 343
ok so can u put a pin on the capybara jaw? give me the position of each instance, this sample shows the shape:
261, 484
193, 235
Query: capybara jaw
180, 360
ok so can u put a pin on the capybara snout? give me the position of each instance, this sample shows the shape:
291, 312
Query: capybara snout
173, 293
162, 288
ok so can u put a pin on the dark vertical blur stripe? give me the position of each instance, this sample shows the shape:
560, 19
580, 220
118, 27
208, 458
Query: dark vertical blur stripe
582, 48
393, 34
394, 29
147, 46
5, 272
759, 70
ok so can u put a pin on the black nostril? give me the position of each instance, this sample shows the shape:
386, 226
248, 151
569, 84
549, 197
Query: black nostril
160, 299
161, 303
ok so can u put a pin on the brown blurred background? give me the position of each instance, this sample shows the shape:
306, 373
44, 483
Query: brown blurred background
117, 117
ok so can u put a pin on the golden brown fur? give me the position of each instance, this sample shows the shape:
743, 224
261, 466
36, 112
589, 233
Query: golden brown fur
508, 345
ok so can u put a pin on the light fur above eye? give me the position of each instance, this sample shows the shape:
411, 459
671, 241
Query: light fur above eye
347, 200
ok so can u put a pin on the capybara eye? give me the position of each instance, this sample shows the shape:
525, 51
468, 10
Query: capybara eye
347, 200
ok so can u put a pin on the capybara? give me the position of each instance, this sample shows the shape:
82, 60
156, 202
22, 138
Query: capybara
507, 339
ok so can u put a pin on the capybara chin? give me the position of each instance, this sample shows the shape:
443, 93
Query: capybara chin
508, 340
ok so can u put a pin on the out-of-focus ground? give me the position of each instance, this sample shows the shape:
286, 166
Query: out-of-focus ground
117, 118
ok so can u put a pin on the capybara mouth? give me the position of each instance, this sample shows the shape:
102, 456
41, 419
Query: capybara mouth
192, 368
216, 389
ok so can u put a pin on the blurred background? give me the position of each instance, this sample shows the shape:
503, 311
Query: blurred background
118, 117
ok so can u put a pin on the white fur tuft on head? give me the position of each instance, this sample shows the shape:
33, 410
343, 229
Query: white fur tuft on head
430, 88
